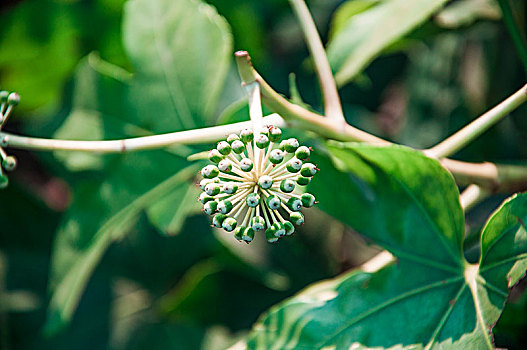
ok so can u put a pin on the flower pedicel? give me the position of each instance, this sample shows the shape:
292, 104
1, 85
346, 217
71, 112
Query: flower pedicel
253, 184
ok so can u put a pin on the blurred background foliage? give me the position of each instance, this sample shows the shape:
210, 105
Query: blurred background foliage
162, 278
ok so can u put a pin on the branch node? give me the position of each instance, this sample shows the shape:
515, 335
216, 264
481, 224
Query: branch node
245, 67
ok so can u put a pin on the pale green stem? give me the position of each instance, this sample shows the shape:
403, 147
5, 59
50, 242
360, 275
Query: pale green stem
332, 106
196, 136
255, 106
466, 135
494, 177
298, 116
471, 196
379, 261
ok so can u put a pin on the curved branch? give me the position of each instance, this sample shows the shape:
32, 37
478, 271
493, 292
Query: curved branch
333, 108
187, 137
481, 124
493, 177
298, 116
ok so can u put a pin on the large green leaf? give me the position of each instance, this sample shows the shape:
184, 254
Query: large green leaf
431, 297
366, 34
175, 86
181, 52
504, 245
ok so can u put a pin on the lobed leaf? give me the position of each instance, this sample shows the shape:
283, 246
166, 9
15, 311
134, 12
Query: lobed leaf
430, 298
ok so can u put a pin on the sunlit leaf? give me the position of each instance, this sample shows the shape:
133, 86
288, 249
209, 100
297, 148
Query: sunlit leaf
398, 197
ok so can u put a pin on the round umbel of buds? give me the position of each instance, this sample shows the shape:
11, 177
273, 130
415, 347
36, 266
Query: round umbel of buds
255, 184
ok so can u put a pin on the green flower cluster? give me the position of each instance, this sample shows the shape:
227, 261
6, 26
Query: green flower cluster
254, 182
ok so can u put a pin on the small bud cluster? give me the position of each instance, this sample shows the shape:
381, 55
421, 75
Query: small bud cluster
7, 102
254, 182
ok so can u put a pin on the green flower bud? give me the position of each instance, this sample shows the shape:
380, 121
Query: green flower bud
204, 198
3, 96
232, 137
262, 141
308, 200
280, 229
265, 130
225, 166
229, 224
252, 200
287, 185
9, 163
4, 181
303, 181
212, 189
230, 188
210, 171
282, 145
297, 218
308, 170
294, 204
302, 152
13, 99
238, 147
276, 156
289, 228
215, 156
225, 206
204, 183
248, 235
238, 232
291, 145
270, 234
218, 219
273, 202
210, 207
246, 164
275, 134
265, 182
224, 147
246, 135
294, 165
257, 223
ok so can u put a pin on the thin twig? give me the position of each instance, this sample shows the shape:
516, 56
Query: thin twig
464, 136
494, 177
255, 106
332, 106
471, 196
298, 116
196, 136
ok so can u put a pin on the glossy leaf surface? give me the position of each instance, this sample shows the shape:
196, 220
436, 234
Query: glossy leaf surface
430, 297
